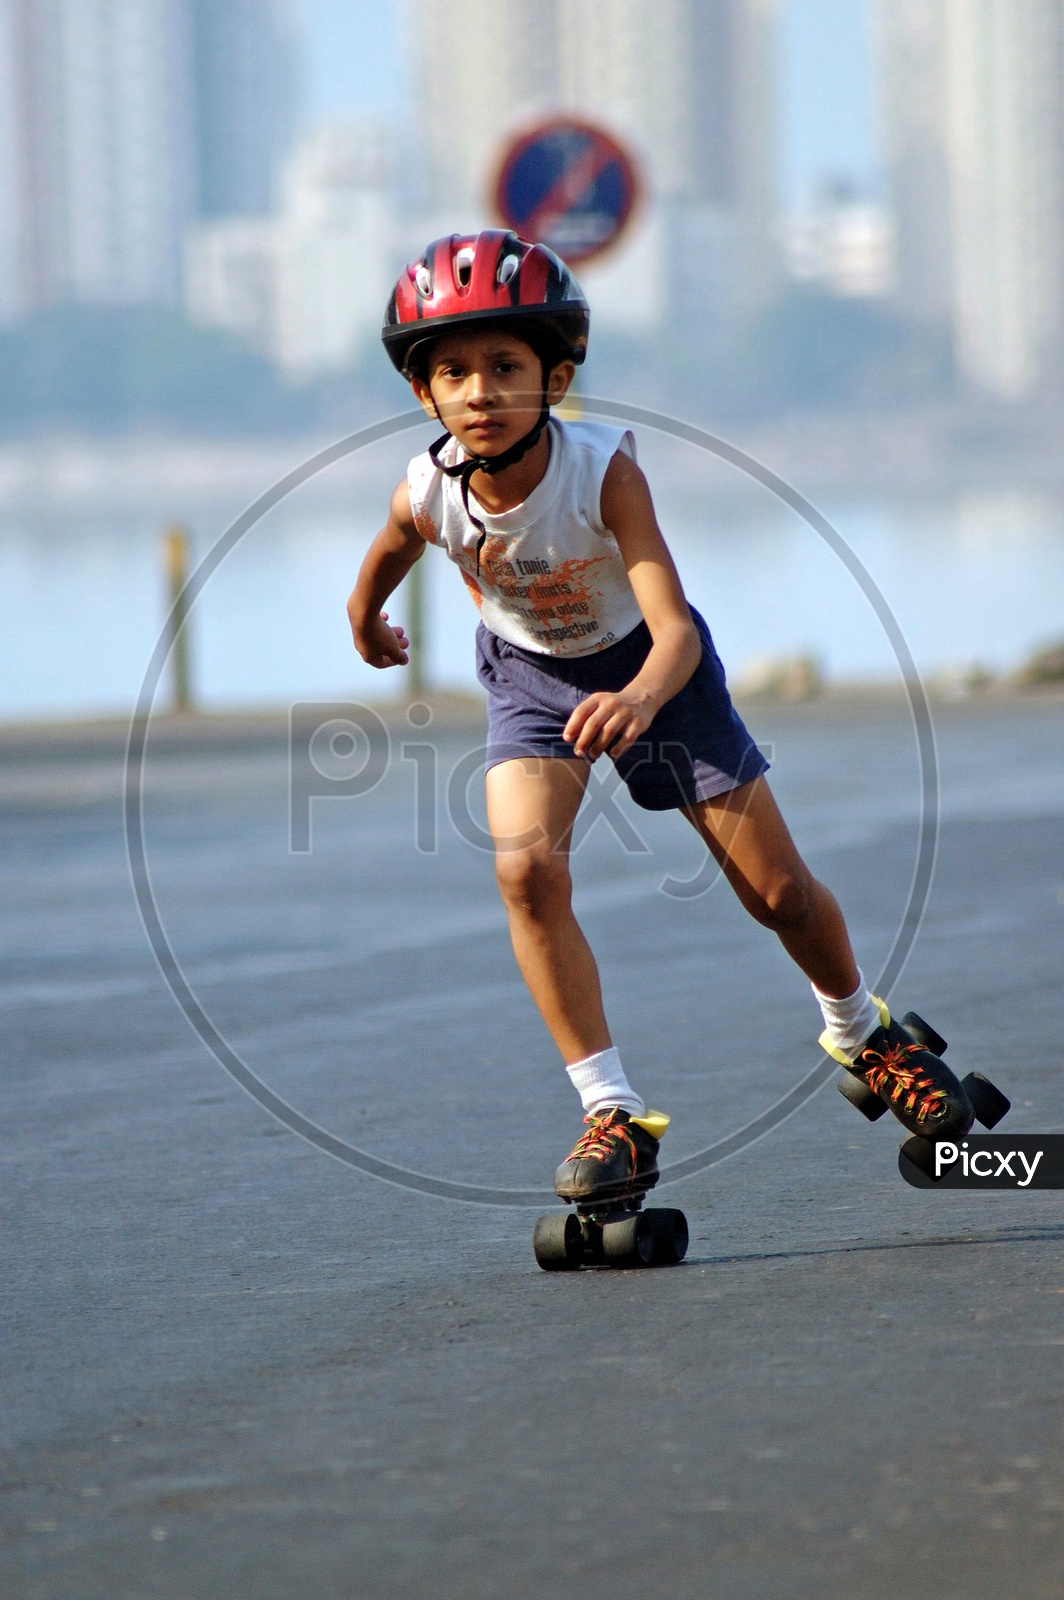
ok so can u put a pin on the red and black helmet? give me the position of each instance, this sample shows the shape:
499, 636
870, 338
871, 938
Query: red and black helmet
489, 277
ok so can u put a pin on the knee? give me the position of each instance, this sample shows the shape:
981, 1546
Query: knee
786, 903
533, 881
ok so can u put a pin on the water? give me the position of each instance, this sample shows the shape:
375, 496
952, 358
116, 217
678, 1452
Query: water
969, 578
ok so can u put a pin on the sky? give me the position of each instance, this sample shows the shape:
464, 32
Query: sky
825, 121
354, 57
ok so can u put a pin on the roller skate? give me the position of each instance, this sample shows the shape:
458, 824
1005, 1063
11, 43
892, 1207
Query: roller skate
606, 1178
900, 1069
616, 1157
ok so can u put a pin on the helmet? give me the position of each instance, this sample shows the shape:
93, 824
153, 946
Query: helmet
491, 277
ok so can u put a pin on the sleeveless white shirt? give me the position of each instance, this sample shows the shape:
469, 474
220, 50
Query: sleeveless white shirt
551, 578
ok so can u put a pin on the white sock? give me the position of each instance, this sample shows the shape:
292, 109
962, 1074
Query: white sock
600, 1082
850, 1021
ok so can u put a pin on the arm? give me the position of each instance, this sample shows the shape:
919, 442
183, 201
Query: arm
388, 560
615, 721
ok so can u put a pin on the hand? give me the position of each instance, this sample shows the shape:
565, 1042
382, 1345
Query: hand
379, 644
609, 722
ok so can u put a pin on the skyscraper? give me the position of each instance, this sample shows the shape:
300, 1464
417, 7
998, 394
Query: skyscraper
686, 83
479, 66
733, 137
633, 68
1005, 93
244, 71
11, 188
105, 183
973, 98
120, 121
911, 55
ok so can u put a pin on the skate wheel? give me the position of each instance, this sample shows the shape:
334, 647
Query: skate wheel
920, 1153
857, 1092
988, 1102
670, 1236
629, 1242
558, 1241
923, 1033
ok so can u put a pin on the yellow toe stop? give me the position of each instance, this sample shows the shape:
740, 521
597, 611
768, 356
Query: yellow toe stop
826, 1042
653, 1122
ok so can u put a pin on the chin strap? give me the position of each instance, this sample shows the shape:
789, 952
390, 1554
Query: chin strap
464, 470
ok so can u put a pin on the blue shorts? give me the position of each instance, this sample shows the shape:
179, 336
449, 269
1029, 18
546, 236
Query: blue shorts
696, 747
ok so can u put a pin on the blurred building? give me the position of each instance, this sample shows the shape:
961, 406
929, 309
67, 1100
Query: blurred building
910, 59
973, 103
478, 65
308, 285
244, 55
11, 160
687, 84
101, 98
231, 278
121, 120
844, 244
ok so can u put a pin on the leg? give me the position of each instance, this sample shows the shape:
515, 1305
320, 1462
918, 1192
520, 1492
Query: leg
749, 839
532, 805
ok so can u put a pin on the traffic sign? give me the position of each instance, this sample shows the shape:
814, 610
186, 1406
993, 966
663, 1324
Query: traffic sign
569, 185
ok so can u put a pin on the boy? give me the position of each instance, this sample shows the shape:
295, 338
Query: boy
587, 647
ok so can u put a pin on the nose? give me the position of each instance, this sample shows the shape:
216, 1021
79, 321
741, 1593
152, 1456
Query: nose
480, 390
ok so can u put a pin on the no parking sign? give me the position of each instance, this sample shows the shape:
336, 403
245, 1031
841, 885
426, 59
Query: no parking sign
569, 185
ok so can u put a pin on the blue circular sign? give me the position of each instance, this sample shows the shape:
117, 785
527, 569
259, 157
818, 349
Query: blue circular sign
568, 185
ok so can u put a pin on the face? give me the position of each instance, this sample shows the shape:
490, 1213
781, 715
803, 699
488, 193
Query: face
487, 387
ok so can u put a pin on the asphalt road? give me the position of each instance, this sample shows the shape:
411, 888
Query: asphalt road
235, 1366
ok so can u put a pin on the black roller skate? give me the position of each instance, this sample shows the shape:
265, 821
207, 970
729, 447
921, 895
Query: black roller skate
900, 1069
615, 1158
606, 1178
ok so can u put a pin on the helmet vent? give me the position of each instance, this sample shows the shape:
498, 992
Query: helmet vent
494, 276
463, 265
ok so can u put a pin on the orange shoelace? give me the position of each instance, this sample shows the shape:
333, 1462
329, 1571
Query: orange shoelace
908, 1087
601, 1139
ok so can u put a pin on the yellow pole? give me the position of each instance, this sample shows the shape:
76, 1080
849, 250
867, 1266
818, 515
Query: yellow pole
175, 562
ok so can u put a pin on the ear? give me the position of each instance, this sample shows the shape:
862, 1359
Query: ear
559, 381
424, 394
